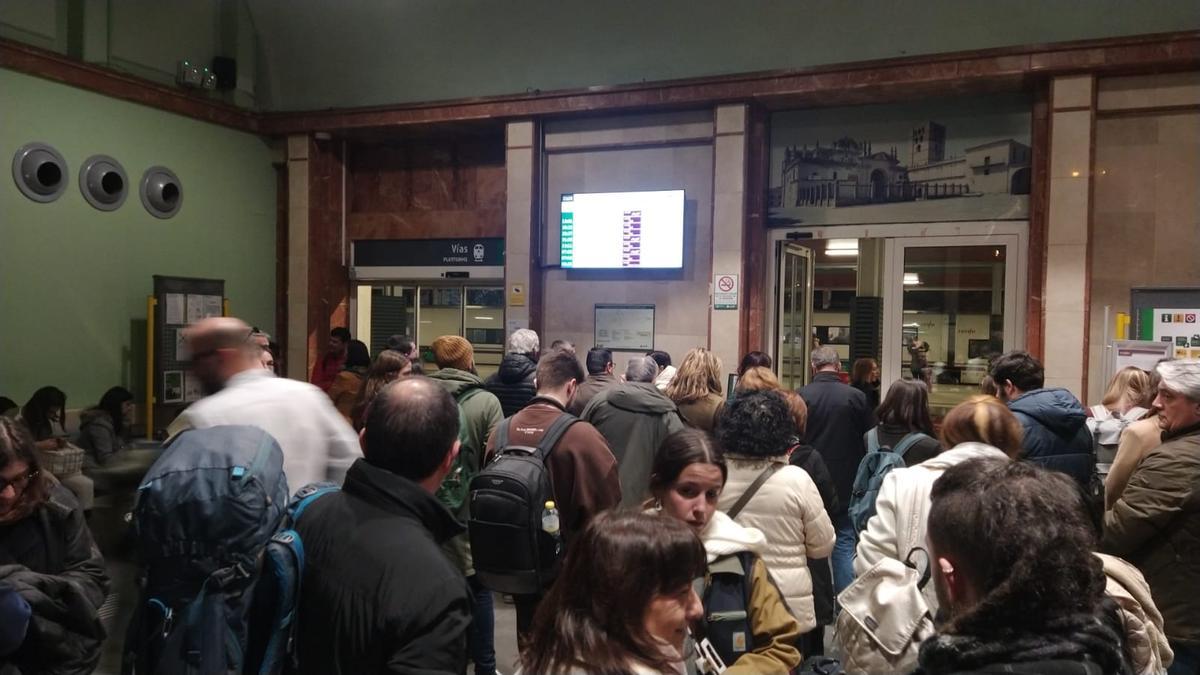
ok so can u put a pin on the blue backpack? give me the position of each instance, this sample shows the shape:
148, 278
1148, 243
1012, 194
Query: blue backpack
221, 578
877, 463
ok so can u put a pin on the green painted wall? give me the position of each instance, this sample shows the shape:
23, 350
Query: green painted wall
367, 52
74, 280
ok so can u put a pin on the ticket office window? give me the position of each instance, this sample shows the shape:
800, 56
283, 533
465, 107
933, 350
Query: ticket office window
426, 312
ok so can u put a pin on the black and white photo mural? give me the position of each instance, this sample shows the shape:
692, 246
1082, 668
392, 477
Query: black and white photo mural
925, 161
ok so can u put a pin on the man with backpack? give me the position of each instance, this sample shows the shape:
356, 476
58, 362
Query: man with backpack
378, 595
838, 417
581, 469
479, 413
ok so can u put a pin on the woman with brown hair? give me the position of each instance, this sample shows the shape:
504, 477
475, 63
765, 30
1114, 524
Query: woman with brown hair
48, 556
623, 602
749, 625
864, 376
390, 365
346, 384
981, 426
904, 414
696, 389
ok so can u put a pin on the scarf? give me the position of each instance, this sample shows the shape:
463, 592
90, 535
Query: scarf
1075, 637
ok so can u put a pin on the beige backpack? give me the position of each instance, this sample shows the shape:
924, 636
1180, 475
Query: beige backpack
884, 617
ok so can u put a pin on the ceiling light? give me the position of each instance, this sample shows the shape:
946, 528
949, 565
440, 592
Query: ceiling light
842, 247
911, 279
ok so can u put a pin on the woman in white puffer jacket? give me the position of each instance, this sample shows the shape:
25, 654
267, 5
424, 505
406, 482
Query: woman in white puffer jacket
981, 426
756, 431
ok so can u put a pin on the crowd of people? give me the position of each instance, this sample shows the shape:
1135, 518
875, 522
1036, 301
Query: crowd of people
684, 528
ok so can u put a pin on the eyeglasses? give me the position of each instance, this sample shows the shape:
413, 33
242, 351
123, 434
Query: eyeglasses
20, 483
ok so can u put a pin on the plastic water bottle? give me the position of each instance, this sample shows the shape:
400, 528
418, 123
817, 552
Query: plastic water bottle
550, 523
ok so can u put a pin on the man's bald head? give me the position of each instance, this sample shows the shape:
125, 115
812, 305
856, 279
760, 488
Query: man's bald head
221, 347
411, 426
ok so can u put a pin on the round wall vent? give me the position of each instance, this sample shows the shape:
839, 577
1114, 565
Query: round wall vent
162, 194
40, 172
103, 183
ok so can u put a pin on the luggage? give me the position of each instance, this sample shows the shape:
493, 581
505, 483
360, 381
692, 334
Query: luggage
875, 465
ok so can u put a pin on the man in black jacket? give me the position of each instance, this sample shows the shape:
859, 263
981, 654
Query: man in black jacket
513, 382
378, 593
838, 417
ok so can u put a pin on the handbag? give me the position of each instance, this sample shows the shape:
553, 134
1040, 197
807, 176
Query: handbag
884, 617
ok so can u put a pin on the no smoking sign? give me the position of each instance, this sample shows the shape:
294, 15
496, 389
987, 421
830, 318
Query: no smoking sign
725, 291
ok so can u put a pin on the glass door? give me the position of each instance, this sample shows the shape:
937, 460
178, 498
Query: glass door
950, 309
793, 324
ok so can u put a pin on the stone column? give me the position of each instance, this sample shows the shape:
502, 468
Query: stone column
729, 214
1072, 120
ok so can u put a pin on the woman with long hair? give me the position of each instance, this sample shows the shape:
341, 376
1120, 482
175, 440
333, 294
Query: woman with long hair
101, 428
43, 415
344, 390
1134, 442
1130, 388
904, 414
48, 556
757, 432
981, 426
686, 482
390, 365
696, 389
623, 602
864, 376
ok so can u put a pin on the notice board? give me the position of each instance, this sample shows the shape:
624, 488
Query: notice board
179, 301
625, 327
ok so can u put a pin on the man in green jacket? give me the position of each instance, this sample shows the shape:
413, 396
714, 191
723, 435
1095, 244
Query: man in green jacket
480, 412
634, 417
1156, 522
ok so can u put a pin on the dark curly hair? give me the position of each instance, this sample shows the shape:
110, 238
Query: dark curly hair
757, 424
1022, 535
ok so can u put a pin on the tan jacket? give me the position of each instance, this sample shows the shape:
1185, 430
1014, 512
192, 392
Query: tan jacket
1156, 526
1138, 438
703, 413
1144, 638
789, 512
775, 629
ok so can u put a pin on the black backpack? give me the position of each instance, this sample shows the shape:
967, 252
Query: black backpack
511, 552
204, 514
727, 606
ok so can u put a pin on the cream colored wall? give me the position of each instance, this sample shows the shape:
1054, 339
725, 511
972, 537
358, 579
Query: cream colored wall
1064, 304
1146, 209
652, 152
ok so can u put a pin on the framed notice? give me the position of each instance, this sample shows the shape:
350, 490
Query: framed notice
625, 327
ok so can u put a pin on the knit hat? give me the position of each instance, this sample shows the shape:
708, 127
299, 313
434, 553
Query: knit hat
452, 351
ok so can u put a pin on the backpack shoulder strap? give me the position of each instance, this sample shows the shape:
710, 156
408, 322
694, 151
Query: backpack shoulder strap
309, 498
749, 493
554, 433
907, 442
873, 440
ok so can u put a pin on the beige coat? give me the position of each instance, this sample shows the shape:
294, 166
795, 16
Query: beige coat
788, 510
902, 509
1144, 637
1138, 439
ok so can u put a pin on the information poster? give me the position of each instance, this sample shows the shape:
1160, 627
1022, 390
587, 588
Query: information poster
1180, 328
212, 306
176, 308
192, 391
173, 386
625, 327
195, 307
